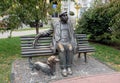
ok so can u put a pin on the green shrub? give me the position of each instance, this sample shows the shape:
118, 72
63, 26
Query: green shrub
72, 13
102, 23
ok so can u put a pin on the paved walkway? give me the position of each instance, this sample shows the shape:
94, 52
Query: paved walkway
28, 32
102, 78
19, 33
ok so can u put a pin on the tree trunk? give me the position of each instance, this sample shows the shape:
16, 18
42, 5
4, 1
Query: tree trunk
10, 34
37, 26
37, 30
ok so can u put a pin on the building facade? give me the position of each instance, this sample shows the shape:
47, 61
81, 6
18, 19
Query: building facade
69, 5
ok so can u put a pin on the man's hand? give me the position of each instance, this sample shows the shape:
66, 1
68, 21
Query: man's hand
70, 47
61, 47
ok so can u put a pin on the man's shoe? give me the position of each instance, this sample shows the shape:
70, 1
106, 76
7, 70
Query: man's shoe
69, 71
64, 72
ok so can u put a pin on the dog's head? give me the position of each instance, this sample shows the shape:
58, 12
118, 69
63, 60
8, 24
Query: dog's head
52, 60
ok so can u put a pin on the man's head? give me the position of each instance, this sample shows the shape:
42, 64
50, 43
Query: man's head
63, 17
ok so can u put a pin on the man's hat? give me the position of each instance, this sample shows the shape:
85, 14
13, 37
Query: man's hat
62, 14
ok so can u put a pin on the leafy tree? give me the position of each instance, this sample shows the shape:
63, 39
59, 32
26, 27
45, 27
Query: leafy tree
102, 23
24, 11
9, 8
34, 11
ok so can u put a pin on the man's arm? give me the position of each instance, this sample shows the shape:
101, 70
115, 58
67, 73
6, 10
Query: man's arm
42, 34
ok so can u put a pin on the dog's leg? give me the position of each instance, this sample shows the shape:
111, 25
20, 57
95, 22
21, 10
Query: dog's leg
31, 64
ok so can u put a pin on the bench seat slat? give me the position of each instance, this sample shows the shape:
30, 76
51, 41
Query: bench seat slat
36, 47
27, 45
32, 38
31, 41
37, 55
80, 42
36, 52
86, 51
86, 48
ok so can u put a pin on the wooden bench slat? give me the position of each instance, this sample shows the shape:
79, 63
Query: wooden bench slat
80, 35
35, 47
85, 51
88, 48
83, 42
37, 42
37, 55
42, 44
36, 52
32, 36
26, 39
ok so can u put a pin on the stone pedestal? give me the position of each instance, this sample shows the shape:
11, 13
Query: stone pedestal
21, 73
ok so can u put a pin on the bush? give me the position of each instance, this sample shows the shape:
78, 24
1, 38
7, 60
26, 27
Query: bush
72, 13
102, 23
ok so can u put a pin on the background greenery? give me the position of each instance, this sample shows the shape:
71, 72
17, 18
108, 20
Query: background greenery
102, 23
9, 51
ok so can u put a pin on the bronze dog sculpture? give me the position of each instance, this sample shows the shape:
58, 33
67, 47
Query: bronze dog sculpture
49, 67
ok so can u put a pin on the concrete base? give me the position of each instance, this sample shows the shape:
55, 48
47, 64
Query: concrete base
21, 73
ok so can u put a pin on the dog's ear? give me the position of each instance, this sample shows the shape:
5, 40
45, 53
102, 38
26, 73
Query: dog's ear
50, 59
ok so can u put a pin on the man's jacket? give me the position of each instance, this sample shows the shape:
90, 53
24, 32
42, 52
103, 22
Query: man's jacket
57, 33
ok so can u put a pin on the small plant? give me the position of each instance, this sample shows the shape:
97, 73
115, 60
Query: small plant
71, 13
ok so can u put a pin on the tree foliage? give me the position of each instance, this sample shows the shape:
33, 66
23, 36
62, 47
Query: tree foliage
24, 11
102, 23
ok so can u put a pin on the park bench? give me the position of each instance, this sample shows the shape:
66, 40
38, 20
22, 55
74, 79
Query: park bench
43, 46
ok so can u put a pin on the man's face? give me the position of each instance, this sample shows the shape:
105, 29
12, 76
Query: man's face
64, 17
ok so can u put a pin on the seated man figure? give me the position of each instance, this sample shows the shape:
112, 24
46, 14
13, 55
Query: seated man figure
65, 42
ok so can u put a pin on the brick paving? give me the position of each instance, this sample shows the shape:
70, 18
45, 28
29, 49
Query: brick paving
103, 78
21, 73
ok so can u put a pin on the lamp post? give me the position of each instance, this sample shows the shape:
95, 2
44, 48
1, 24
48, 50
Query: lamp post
77, 7
69, 7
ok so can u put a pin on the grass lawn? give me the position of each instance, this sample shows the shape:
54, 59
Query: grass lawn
10, 51
108, 55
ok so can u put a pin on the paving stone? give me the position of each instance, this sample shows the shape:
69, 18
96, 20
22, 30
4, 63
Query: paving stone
101, 78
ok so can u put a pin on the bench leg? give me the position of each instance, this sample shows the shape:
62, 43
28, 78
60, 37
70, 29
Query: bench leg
30, 62
79, 55
85, 57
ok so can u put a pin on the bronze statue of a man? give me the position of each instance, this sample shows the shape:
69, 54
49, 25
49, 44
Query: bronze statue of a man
65, 42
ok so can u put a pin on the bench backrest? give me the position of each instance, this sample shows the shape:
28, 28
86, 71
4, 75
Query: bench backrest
43, 45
